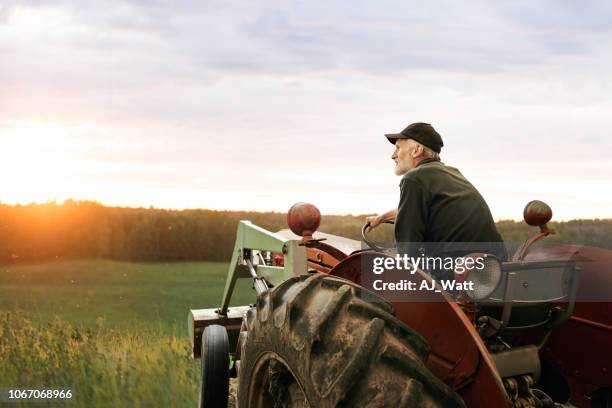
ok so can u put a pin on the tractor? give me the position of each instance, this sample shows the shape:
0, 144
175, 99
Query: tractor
536, 331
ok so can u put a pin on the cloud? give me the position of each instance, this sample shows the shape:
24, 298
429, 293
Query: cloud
564, 16
196, 40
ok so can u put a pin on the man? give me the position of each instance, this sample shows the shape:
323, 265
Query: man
437, 204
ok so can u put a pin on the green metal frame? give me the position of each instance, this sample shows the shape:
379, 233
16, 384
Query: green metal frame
251, 239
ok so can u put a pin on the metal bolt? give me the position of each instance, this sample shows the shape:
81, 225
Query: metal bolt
525, 285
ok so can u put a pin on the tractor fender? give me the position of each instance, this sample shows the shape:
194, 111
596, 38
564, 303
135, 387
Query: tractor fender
458, 355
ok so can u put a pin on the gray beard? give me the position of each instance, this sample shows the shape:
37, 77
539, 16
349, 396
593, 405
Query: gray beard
399, 172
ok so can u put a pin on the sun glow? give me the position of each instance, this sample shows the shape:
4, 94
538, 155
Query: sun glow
37, 162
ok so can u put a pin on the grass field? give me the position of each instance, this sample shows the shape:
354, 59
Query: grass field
142, 296
114, 332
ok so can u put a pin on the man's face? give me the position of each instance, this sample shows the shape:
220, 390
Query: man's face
403, 156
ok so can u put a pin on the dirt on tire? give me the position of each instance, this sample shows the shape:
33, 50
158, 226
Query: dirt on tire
339, 347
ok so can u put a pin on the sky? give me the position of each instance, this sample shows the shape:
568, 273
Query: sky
257, 105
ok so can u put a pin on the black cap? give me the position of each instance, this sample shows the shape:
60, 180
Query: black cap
423, 133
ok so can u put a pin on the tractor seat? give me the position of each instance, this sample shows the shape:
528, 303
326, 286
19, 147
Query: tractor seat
527, 292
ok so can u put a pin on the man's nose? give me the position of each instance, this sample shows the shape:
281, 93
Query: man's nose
394, 155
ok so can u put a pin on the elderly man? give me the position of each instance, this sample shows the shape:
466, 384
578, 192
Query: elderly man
437, 204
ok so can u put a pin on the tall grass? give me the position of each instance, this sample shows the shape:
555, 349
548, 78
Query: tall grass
102, 367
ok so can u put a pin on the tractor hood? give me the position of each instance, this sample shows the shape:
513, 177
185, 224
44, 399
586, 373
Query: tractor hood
346, 245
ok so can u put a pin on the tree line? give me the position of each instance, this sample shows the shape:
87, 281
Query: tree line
72, 230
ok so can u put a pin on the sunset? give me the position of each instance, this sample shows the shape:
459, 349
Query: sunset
234, 204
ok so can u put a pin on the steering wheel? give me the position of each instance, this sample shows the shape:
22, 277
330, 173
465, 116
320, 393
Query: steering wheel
372, 245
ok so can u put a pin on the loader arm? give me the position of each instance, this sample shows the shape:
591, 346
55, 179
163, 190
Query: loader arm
251, 238
248, 261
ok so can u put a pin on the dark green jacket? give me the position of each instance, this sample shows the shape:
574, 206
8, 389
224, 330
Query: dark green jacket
438, 205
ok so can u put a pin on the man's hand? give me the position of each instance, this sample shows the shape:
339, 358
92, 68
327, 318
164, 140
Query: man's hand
375, 221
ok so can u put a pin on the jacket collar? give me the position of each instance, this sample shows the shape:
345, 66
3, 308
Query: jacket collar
429, 160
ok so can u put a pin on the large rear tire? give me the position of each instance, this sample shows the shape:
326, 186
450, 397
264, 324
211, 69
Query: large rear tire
313, 341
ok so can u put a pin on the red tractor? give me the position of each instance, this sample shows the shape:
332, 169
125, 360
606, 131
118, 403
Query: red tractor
537, 332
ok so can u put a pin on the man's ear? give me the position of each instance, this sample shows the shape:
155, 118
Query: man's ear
418, 150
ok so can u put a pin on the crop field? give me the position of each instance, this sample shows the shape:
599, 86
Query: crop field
113, 332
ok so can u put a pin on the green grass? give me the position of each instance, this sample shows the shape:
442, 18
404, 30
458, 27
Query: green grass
140, 296
113, 332
101, 367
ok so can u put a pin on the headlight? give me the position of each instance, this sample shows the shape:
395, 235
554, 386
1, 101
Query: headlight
483, 270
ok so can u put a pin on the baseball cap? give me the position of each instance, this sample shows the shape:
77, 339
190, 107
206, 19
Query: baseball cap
421, 132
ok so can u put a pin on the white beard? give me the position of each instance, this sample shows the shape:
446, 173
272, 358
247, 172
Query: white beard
402, 168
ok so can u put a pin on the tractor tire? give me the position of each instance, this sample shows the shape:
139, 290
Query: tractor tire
313, 341
214, 384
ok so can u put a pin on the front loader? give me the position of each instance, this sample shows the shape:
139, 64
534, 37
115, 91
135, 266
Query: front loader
536, 333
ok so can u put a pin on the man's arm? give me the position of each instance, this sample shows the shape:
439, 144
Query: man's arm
376, 220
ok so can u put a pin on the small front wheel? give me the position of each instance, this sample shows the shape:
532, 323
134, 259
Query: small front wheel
214, 388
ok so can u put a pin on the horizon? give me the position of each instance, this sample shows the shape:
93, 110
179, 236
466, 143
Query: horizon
133, 105
78, 202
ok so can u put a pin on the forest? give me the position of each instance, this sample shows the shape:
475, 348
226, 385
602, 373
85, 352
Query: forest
85, 230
